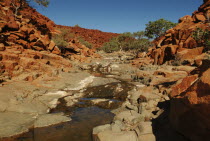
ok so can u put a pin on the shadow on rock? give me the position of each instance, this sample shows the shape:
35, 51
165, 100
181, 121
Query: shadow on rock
162, 129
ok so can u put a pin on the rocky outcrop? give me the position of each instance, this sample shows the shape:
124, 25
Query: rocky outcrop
22, 27
190, 105
93, 36
178, 42
77, 51
190, 96
26, 48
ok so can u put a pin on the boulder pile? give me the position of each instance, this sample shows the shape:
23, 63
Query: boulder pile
26, 48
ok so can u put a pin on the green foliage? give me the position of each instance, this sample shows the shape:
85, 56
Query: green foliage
202, 37
44, 3
139, 34
86, 43
207, 45
76, 25
111, 46
61, 40
134, 42
158, 28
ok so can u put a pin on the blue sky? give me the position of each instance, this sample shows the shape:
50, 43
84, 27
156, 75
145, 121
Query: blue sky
116, 16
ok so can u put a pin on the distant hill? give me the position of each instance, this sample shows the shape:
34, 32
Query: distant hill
93, 36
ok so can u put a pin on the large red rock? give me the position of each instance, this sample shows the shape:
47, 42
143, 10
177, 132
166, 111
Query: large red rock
184, 85
184, 54
190, 105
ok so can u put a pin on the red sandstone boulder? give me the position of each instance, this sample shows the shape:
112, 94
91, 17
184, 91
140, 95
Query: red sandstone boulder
190, 106
165, 76
189, 54
184, 85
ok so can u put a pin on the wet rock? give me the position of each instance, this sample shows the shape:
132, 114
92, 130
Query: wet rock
101, 128
72, 99
105, 103
102, 81
80, 84
27, 107
50, 119
12, 123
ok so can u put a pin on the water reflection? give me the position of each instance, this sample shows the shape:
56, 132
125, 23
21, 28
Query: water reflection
79, 129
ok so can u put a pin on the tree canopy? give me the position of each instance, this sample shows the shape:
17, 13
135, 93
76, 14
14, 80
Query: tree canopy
135, 42
155, 29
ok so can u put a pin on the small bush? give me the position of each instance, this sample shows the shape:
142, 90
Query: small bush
61, 40
207, 48
86, 43
76, 25
111, 46
202, 37
134, 42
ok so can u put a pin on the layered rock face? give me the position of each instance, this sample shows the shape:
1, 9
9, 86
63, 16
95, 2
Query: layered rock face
26, 48
95, 37
178, 41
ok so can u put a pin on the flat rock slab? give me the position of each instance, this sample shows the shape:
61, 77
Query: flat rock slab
50, 119
12, 123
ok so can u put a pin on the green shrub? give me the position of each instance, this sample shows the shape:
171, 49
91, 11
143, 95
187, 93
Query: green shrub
111, 46
202, 37
155, 29
207, 45
86, 43
76, 25
62, 39
134, 42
